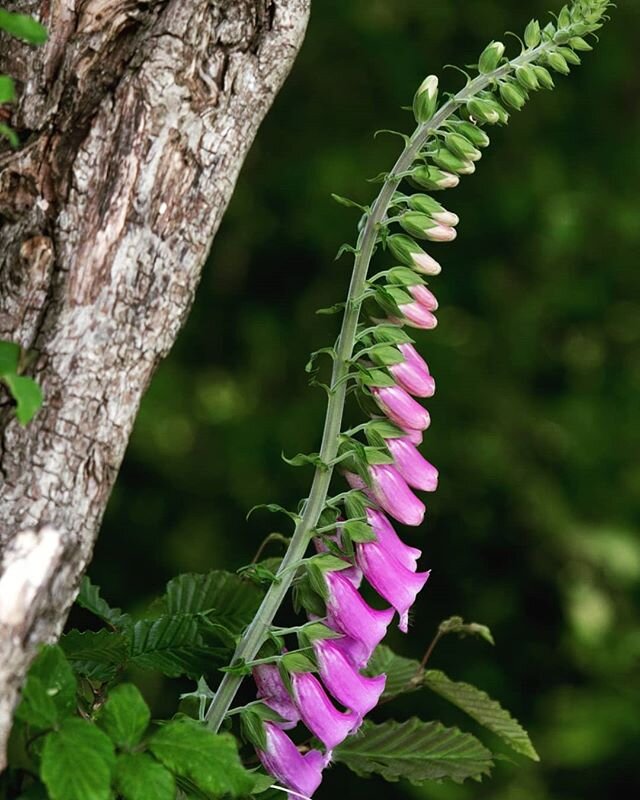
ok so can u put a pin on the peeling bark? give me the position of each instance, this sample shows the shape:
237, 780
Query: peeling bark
136, 117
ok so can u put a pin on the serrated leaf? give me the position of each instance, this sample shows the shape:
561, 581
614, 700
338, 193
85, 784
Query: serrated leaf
10, 135
403, 674
172, 645
223, 596
89, 598
23, 27
49, 694
27, 394
7, 89
415, 750
125, 716
77, 761
479, 706
139, 776
210, 760
95, 654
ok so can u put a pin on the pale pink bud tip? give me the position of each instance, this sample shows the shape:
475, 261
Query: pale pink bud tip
423, 296
417, 316
413, 467
398, 585
393, 494
401, 408
441, 233
446, 218
318, 712
283, 760
425, 264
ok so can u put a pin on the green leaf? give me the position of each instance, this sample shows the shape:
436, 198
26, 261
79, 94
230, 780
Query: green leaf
479, 706
125, 716
223, 596
49, 693
7, 89
89, 598
9, 134
138, 776
210, 760
415, 750
77, 761
462, 628
96, 654
27, 394
403, 674
304, 460
23, 26
172, 645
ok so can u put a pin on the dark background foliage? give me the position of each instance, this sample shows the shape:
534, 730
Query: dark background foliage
535, 428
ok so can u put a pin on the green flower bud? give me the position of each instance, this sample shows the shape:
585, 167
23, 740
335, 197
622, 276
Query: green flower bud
432, 178
485, 110
425, 100
491, 57
544, 77
532, 34
569, 56
564, 18
462, 147
422, 226
447, 160
411, 254
513, 95
526, 77
578, 43
473, 133
558, 62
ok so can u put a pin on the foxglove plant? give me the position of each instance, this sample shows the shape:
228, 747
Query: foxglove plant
375, 357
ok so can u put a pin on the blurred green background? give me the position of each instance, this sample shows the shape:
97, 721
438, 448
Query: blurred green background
536, 422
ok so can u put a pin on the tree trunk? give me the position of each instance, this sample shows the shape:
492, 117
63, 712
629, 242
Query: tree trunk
136, 117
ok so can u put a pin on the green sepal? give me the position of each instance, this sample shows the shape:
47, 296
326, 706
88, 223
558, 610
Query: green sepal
578, 43
513, 95
252, 724
431, 178
461, 147
558, 63
532, 34
355, 505
425, 204
447, 160
384, 355
318, 566
569, 56
544, 77
298, 662
385, 429
526, 77
402, 247
378, 455
377, 378
392, 334
305, 597
359, 531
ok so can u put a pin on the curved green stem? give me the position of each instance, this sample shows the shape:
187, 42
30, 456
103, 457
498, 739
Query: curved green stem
256, 632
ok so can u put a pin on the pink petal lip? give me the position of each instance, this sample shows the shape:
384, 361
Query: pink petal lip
283, 760
355, 691
318, 712
389, 540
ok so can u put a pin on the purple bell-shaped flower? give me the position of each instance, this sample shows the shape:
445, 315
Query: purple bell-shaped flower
318, 712
283, 760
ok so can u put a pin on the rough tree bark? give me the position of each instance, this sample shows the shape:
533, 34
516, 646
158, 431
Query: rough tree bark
136, 117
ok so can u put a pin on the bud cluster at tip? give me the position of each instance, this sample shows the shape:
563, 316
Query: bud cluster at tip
327, 691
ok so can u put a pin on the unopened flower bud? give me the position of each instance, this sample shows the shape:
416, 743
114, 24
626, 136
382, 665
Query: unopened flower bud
425, 100
447, 160
473, 133
432, 208
513, 95
532, 34
491, 57
526, 77
569, 56
483, 110
544, 77
424, 227
460, 146
558, 63
410, 253
432, 178
578, 43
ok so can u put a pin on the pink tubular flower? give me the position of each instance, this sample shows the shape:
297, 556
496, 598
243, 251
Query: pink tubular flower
348, 613
418, 316
415, 437
342, 679
318, 712
401, 408
423, 296
425, 264
283, 760
389, 540
415, 380
398, 585
392, 493
274, 693
413, 467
